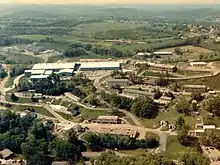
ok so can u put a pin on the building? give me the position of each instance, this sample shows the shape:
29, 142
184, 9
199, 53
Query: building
134, 93
163, 53
60, 108
59, 163
68, 69
115, 83
6, 154
198, 64
72, 97
195, 88
35, 78
162, 67
94, 66
108, 119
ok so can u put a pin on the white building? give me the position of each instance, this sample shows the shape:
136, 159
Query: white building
198, 64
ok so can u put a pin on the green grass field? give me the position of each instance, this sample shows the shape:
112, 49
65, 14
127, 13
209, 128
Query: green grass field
39, 110
175, 149
170, 116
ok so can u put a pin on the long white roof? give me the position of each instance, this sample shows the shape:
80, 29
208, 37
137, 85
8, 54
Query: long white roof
53, 66
99, 64
39, 76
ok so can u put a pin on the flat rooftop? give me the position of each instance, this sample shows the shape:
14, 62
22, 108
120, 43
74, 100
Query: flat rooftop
139, 92
118, 80
195, 86
108, 118
99, 65
52, 66
39, 76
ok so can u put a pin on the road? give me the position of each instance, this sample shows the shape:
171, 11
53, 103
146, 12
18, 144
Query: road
15, 82
60, 118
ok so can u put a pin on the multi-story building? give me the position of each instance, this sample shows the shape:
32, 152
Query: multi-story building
108, 119
163, 67
133, 93
195, 88
114, 83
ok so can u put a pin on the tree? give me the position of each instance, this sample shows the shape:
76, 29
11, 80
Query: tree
178, 51
197, 96
144, 107
180, 122
110, 158
213, 106
211, 138
182, 135
183, 106
194, 158
14, 98
3, 74
92, 100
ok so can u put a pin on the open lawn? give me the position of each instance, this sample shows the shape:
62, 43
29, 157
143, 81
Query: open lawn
211, 82
39, 110
88, 114
175, 149
170, 116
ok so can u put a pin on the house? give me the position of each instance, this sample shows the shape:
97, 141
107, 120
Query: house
133, 93
6, 154
72, 97
108, 119
195, 88
115, 83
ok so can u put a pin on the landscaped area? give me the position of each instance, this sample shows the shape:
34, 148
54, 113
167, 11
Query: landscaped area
39, 110
170, 116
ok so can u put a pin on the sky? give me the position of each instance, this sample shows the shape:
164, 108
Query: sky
112, 1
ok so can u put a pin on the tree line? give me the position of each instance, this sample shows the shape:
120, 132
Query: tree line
34, 140
191, 158
121, 142
142, 106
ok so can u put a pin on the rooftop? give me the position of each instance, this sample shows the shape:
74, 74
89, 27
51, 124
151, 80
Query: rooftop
37, 71
99, 64
48, 72
39, 76
139, 92
208, 126
6, 153
162, 65
118, 80
53, 66
195, 86
107, 118
66, 71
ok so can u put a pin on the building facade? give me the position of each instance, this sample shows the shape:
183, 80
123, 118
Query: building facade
133, 93
195, 88
108, 119
115, 83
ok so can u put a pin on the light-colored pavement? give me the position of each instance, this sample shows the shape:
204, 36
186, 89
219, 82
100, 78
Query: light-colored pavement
15, 82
